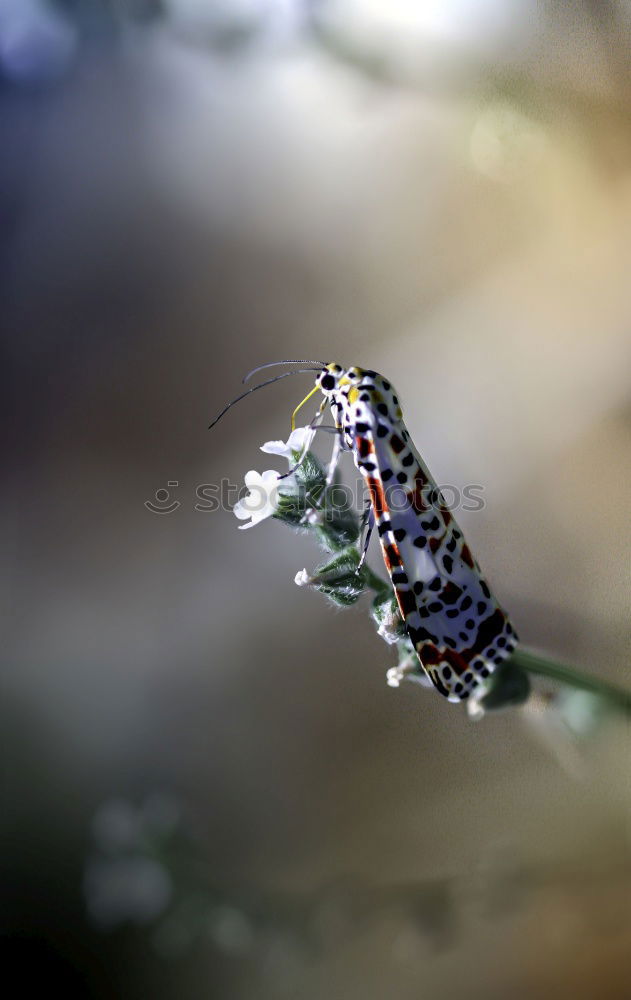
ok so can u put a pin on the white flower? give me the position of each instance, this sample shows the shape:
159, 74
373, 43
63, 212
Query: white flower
262, 498
475, 708
302, 578
408, 669
394, 677
298, 441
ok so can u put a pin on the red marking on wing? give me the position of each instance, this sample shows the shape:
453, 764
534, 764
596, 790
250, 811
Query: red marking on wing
465, 554
392, 557
391, 554
417, 500
456, 661
364, 446
460, 662
377, 497
429, 655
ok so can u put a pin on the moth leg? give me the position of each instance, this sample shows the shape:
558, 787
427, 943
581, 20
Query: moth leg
335, 457
368, 525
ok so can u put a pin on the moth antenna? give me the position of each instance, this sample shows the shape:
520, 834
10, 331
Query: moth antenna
261, 385
272, 364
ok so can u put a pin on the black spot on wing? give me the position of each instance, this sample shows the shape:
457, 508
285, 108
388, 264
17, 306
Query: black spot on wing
432, 525
438, 684
451, 592
407, 602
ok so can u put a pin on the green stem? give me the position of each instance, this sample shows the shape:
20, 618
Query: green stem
543, 667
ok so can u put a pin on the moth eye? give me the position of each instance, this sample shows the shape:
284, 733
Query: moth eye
327, 382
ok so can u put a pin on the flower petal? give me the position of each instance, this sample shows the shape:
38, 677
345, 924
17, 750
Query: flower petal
270, 478
276, 448
240, 510
301, 438
252, 478
262, 499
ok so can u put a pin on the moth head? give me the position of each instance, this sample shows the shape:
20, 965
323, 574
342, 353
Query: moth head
329, 380
335, 378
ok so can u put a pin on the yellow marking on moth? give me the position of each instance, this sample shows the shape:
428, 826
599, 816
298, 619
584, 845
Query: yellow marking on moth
344, 381
375, 396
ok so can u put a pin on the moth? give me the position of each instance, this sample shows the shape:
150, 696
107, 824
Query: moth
455, 623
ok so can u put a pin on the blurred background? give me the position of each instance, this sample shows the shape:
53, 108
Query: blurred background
208, 788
